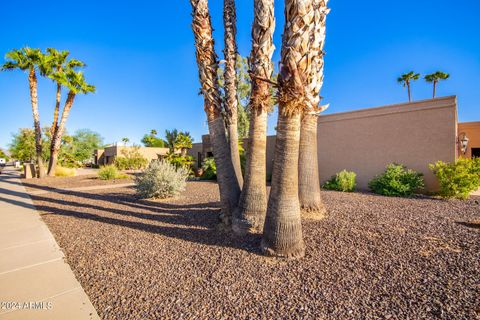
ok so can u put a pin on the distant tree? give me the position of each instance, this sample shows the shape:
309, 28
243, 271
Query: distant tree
4, 155
125, 140
30, 60
22, 146
183, 142
171, 137
84, 143
406, 80
151, 140
435, 78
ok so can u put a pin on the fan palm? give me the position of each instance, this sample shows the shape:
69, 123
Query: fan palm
282, 232
57, 62
406, 80
253, 200
183, 142
308, 179
207, 68
76, 84
30, 60
230, 86
435, 78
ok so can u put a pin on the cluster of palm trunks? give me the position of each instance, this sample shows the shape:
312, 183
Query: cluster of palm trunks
295, 189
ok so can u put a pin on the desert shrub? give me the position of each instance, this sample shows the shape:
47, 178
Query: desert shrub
110, 172
160, 180
397, 181
64, 172
343, 181
458, 179
209, 168
179, 160
131, 159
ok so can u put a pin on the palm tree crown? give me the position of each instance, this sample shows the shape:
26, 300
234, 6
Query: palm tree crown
24, 59
406, 78
435, 78
74, 81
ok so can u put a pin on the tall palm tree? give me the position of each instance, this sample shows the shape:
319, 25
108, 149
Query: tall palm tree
308, 175
30, 60
231, 103
282, 233
253, 200
76, 84
57, 63
207, 70
406, 80
435, 78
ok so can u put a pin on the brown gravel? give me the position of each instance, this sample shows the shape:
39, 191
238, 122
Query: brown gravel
51, 183
373, 257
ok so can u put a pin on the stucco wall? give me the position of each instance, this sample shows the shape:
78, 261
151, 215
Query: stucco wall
365, 141
472, 130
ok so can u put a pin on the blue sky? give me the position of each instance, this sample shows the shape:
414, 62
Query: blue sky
140, 55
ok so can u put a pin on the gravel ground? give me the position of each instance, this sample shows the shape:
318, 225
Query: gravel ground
373, 257
50, 183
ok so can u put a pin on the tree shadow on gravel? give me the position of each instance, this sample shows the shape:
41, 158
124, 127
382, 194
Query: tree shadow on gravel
474, 225
193, 222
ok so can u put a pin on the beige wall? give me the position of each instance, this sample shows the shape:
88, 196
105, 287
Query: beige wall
109, 153
472, 130
365, 141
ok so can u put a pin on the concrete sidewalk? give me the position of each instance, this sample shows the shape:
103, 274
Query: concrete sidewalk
35, 282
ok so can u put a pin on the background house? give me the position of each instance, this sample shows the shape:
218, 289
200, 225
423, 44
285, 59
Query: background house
364, 141
108, 154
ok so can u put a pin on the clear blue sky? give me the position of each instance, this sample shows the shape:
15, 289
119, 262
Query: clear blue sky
141, 58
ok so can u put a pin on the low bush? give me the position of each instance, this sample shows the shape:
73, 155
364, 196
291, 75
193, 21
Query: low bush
161, 180
397, 181
110, 172
131, 159
179, 160
458, 179
343, 181
209, 168
64, 172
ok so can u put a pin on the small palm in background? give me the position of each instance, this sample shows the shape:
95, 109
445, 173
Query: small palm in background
435, 78
406, 80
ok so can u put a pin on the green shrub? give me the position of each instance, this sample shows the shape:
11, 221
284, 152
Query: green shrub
209, 169
397, 181
161, 180
131, 159
110, 172
458, 179
343, 181
64, 172
179, 160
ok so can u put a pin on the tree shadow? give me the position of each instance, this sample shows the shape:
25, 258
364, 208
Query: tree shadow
474, 225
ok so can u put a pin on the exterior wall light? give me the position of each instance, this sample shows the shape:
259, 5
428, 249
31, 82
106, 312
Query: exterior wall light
463, 142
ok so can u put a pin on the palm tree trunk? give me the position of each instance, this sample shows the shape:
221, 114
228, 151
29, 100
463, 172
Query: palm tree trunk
308, 175
252, 207
434, 88
207, 68
282, 232
309, 180
32, 79
57, 138
56, 110
231, 103
409, 94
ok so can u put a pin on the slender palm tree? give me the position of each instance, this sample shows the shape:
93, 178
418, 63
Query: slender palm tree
76, 84
231, 103
171, 136
253, 200
125, 141
30, 60
406, 80
435, 78
308, 175
207, 69
57, 63
282, 233
183, 142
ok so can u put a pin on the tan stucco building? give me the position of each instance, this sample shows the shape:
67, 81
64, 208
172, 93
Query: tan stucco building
364, 141
108, 155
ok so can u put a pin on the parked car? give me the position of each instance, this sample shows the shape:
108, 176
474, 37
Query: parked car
3, 162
